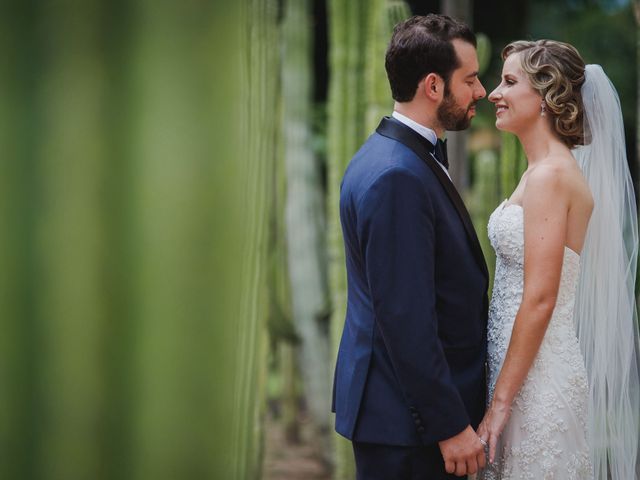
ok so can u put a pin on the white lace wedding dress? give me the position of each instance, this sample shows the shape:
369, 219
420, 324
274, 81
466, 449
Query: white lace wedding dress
545, 437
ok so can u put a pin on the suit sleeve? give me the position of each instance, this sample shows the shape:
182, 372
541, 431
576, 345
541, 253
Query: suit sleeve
396, 231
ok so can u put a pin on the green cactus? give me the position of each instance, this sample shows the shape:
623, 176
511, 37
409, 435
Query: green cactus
396, 12
343, 139
382, 16
261, 85
134, 232
358, 96
484, 199
513, 163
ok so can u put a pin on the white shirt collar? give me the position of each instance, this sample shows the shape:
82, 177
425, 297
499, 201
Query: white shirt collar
426, 132
421, 129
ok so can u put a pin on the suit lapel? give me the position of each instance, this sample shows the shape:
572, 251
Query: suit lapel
391, 128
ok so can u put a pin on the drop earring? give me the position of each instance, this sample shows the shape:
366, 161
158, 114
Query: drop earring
543, 110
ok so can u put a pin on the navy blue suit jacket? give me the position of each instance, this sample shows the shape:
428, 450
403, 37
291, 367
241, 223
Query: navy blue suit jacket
411, 363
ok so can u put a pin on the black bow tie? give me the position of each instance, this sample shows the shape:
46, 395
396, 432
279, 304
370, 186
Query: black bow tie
440, 152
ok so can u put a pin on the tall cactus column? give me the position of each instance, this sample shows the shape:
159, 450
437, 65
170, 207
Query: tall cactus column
245, 187
19, 342
71, 246
260, 86
132, 254
345, 134
484, 197
304, 215
382, 16
182, 183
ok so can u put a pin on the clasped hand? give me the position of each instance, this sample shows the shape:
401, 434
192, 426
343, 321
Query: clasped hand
463, 454
492, 425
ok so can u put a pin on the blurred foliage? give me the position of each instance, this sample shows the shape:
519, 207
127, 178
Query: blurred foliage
484, 52
603, 33
482, 200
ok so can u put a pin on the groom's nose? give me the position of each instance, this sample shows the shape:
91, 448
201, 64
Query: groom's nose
479, 92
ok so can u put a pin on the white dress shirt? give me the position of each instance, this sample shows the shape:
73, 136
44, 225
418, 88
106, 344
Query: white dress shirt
426, 132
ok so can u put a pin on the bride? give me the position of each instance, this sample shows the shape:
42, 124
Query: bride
563, 342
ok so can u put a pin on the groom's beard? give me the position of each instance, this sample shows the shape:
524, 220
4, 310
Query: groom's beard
451, 116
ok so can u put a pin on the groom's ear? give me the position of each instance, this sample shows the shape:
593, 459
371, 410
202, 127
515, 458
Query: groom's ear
433, 86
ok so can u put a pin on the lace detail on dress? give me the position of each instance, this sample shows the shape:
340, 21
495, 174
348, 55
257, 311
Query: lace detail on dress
546, 436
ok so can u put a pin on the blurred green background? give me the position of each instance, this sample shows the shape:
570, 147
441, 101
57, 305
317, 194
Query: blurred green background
172, 285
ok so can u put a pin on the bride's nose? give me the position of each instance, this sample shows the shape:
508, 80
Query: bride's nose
495, 95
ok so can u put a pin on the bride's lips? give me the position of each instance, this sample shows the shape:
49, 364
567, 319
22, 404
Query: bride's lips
500, 108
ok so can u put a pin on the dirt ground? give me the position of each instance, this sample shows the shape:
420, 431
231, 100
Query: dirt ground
284, 461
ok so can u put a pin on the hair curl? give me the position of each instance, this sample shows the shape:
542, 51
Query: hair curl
557, 72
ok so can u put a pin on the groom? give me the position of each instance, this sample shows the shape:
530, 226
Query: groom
410, 376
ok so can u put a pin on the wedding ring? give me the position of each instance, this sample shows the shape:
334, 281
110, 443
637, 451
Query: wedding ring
484, 444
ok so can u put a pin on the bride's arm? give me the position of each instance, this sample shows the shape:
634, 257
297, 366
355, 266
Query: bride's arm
545, 205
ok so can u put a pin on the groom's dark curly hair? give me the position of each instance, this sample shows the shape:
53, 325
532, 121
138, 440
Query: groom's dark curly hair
422, 45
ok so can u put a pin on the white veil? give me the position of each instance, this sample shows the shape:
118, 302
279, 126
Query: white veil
605, 310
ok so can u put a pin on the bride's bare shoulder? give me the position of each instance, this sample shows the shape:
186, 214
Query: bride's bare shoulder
548, 177
560, 178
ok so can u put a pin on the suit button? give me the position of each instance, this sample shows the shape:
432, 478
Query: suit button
412, 409
415, 414
418, 421
421, 429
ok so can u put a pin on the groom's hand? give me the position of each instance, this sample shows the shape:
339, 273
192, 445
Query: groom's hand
463, 454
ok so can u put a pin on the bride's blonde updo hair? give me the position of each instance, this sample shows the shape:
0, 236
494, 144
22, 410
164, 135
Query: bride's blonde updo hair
556, 71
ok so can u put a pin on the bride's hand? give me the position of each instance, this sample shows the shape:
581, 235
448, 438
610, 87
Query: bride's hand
492, 425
